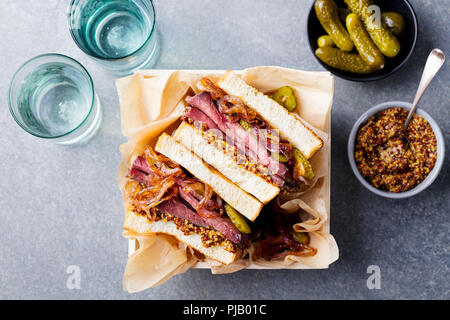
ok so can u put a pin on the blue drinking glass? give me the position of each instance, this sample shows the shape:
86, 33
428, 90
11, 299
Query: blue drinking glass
52, 97
120, 35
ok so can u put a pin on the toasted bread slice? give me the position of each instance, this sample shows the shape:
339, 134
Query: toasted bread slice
225, 163
290, 127
140, 224
240, 200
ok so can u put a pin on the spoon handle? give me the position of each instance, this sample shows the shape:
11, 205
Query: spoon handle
434, 62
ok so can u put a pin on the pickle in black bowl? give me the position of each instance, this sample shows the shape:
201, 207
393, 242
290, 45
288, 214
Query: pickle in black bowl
407, 39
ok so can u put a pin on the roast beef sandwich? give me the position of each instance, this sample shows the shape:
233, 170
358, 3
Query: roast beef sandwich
171, 190
249, 137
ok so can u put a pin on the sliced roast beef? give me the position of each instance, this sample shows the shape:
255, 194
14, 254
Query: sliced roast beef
194, 203
213, 218
142, 177
227, 228
139, 170
141, 164
176, 208
196, 115
137, 175
236, 131
205, 104
244, 140
209, 213
182, 183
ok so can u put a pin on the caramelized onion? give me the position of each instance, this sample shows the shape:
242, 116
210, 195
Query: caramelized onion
148, 196
158, 183
160, 165
156, 179
235, 109
132, 188
204, 208
209, 86
207, 196
195, 187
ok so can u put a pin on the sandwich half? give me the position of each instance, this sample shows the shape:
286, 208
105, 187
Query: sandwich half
223, 251
290, 127
172, 191
226, 161
240, 200
248, 137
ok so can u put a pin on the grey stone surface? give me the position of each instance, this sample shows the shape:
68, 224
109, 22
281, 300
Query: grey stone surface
60, 206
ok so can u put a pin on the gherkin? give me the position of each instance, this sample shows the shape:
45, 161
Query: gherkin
378, 31
237, 219
346, 61
328, 15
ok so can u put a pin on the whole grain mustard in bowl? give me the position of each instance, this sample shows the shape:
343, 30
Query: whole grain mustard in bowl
390, 163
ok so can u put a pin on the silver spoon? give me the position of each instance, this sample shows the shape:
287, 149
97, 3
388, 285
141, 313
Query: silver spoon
434, 62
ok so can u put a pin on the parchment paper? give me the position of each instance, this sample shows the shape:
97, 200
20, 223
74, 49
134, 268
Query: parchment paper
152, 101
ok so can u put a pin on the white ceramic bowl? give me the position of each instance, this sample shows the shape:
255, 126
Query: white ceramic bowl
431, 176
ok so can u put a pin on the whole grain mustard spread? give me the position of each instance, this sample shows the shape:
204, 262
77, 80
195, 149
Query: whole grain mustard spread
209, 237
386, 159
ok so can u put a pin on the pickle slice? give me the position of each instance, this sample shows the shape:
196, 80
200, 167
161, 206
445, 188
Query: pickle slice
237, 219
279, 157
302, 165
247, 126
286, 97
301, 237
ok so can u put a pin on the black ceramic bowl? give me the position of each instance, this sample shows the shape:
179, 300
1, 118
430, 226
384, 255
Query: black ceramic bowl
407, 39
